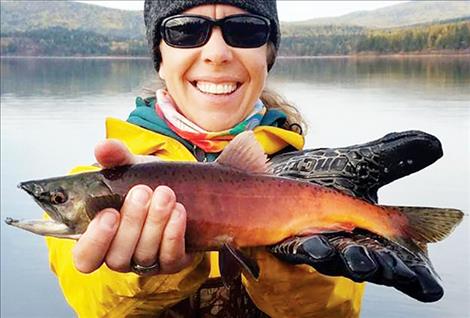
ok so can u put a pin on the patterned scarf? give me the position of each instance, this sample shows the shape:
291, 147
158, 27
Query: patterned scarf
209, 141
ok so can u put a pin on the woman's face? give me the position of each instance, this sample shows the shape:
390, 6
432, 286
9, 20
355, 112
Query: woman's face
215, 86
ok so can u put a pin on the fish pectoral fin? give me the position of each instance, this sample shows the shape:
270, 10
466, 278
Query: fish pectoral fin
231, 261
44, 227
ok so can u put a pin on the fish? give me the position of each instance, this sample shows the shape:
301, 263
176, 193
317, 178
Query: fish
233, 203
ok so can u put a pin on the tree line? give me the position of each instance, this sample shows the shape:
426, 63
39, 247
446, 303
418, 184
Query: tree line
297, 40
59, 41
341, 40
434, 37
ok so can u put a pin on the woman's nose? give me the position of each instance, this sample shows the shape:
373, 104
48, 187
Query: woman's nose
216, 51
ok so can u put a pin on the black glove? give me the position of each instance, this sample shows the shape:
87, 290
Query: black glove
360, 170
361, 257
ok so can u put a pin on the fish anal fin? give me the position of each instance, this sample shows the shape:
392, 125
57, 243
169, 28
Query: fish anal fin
232, 260
230, 269
244, 153
429, 225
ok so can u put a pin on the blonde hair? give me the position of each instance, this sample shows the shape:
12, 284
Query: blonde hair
295, 121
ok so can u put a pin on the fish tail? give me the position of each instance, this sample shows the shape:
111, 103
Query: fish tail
429, 225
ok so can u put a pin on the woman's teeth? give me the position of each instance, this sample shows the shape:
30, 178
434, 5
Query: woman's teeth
212, 88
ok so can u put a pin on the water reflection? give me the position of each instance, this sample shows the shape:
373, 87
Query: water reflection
75, 77
72, 77
52, 115
436, 70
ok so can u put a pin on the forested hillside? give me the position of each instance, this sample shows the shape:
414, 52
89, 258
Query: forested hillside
64, 28
59, 41
342, 40
399, 15
23, 16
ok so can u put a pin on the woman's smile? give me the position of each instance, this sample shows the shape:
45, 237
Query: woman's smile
216, 89
217, 95
216, 85
224, 88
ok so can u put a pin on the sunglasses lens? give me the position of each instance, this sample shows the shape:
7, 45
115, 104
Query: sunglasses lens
245, 31
185, 32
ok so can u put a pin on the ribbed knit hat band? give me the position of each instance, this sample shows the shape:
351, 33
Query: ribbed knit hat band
157, 10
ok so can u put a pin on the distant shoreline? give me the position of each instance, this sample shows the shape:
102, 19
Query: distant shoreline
97, 57
446, 53
463, 53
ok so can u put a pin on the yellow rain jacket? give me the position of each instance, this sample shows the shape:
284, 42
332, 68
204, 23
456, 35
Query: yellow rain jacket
282, 290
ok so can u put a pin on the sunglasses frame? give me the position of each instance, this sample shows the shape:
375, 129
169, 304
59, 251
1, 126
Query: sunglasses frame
217, 22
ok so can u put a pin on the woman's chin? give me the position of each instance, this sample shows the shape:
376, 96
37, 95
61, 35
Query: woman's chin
214, 123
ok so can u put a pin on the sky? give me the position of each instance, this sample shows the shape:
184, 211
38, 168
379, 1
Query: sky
288, 10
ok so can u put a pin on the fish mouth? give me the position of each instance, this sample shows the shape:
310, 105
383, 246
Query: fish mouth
45, 227
39, 196
29, 188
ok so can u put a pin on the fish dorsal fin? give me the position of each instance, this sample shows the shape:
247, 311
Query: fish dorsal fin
244, 153
428, 225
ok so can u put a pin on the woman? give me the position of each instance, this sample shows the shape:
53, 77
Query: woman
215, 75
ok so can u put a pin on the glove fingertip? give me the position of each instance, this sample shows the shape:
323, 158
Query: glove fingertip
318, 248
359, 262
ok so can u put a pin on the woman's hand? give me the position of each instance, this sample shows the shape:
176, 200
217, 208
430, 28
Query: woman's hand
148, 230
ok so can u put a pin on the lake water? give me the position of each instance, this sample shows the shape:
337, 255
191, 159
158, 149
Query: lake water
53, 110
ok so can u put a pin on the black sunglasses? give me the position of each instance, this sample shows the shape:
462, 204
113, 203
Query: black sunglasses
240, 30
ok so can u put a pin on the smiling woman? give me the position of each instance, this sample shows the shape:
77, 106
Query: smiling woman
216, 85
214, 58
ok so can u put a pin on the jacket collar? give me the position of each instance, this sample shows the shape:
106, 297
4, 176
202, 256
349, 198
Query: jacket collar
146, 142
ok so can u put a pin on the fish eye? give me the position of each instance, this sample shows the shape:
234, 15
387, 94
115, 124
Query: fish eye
58, 197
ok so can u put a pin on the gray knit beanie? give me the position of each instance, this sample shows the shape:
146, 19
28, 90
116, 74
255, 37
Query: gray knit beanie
157, 10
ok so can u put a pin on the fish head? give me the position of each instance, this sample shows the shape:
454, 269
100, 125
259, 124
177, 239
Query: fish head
66, 199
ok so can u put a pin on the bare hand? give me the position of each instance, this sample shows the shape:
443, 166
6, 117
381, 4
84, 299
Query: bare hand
149, 228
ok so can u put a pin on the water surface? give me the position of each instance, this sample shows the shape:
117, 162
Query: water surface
53, 110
